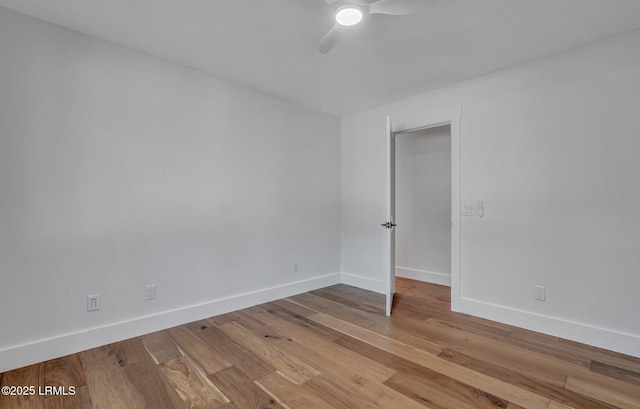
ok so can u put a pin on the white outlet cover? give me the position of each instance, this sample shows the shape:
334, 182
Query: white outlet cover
93, 302
150, 292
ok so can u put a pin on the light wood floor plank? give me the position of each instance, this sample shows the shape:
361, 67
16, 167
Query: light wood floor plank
431, 384
80, 400
380, 325
364, 319
129, 352
242, 390
475, 379
339, 367
558, 405
592, 353
337, 395
352, 301
333, 347
242, 359
67, 372
288, 366
156, 389
29, 376
364, 382
236, 316
286, 330
616, 372
108, 385
297, 310
289, 394
308, 326
523, 380
160, 346
192, 384
440, 392
542, 367
363, 297
198, 350
616, 398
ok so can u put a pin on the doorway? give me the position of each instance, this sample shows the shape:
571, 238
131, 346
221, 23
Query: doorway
447, 118
423, 205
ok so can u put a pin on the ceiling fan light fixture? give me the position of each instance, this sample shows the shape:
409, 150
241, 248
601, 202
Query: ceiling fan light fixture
349, 15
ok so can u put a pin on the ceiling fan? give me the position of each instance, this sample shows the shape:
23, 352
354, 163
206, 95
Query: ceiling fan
351, 12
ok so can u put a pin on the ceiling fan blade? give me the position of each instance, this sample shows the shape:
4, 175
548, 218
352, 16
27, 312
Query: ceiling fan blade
394, 7
330, 39
362, 2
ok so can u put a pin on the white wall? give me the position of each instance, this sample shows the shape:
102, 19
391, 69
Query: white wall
423, 205
119, 170
552, 148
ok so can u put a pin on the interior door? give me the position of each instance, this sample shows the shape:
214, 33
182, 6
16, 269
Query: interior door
390, 264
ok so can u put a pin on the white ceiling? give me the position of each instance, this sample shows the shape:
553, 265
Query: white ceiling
271, 45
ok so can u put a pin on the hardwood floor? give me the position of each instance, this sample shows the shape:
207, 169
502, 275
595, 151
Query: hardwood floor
334, 348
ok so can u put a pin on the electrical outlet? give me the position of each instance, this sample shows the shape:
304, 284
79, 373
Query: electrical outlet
539, 293
93, 302
294, 267
467, 210
480, 208
150, 292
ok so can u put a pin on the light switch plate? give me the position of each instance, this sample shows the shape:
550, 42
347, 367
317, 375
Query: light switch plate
93, 302
150, 292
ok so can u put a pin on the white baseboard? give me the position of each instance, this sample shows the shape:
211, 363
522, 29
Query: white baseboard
365, 283
57, 346
625, 343
423, 275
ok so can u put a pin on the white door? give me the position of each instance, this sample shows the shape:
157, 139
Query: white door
446, 116
390, 264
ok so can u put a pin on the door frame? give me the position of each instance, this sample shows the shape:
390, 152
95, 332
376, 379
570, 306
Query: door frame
398, 125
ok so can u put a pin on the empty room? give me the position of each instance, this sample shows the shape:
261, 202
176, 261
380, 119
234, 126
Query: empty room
320, 204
